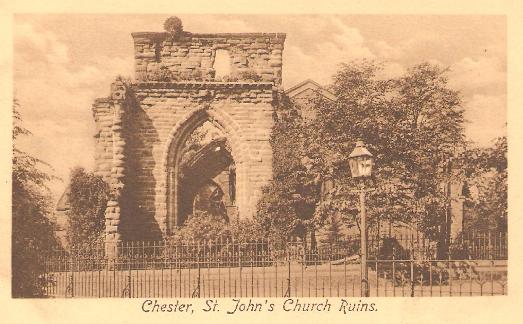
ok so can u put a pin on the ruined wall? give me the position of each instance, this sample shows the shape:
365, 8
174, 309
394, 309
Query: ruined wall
134, 136
110, 118
244, 112
159, 57
140, 126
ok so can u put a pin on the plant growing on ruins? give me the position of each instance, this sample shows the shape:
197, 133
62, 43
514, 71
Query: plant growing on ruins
32, 229
249, 75
197, 75
173, 25
88, 200
161, 74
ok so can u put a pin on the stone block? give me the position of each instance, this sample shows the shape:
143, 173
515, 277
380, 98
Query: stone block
116, 127
144, 55
113, 222
111, 228
275, 63
117, 164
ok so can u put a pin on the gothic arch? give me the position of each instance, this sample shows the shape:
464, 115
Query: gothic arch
169, 190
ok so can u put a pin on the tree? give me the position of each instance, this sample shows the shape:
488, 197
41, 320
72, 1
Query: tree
33, 231
412, 124
485, 172
88, 200
287, 203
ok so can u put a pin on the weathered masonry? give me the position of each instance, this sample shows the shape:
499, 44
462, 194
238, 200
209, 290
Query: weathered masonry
182, 83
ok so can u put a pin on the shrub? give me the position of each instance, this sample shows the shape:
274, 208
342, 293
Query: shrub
202, 226
246, 231
88, 200
173, 25
162, 74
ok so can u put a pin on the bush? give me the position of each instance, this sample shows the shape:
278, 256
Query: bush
333, 232
173, 25
202, 226
246, 230
423, 272
391, 249
88, 200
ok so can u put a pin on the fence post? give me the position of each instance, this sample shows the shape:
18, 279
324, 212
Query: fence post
196, 292
288, 293
489, 246
412, 257
252, 255
393, 275
70, 284
131, 256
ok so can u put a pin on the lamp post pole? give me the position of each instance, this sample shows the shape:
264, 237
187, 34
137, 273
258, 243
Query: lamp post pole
363, 235
361, 162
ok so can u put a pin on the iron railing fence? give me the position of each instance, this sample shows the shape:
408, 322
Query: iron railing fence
401, 266
473, 245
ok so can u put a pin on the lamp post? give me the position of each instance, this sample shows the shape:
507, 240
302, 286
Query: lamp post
361, 162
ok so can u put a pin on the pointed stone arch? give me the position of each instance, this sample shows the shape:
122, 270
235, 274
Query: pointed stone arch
169, 191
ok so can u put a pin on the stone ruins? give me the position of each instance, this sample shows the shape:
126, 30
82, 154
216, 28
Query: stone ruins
143, 127
222, 89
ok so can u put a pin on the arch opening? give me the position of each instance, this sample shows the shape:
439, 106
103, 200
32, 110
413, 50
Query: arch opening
201, 172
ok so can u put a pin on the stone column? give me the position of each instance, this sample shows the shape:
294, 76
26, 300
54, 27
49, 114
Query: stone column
116, 180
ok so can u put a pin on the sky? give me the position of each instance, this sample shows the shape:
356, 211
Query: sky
63, 62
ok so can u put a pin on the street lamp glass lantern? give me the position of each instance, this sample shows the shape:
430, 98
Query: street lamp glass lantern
361, 161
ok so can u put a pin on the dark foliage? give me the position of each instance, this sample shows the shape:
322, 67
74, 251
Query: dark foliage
33, 230
412, 124
88, 200
484, 171
203, 226
287, 204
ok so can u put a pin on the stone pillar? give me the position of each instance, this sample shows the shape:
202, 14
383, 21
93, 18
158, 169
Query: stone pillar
116, 180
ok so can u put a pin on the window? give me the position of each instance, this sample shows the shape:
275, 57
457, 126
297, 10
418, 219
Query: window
222, 63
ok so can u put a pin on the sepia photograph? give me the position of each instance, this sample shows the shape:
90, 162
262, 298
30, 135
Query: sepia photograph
259, 156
